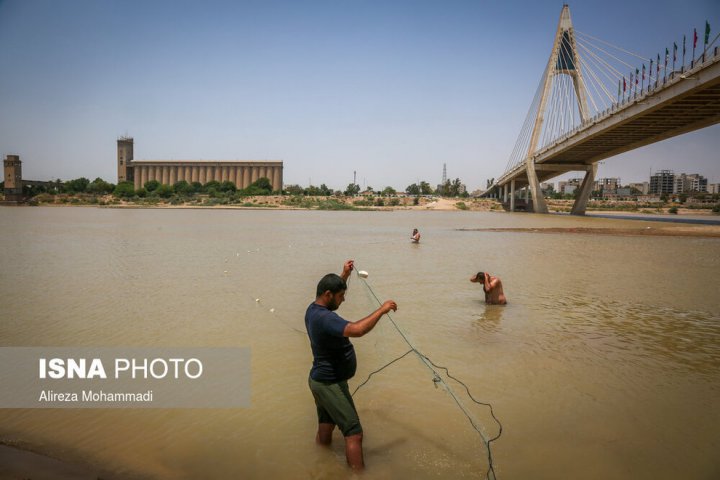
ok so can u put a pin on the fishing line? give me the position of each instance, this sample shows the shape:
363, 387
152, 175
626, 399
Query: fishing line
490, 474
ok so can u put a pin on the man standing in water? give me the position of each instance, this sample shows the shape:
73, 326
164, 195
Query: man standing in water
334, 362
492, 286
415, 237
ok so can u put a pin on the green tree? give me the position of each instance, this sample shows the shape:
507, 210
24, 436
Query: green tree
228, 186
124, 190
455, 187
261, 186
263, 183
165, 191
197, 187
425, 188
325, 191
182, 188
387, 191
413, 189
79, 185
212, 184
352, 189
100, 186
294, 189
151, 185
444, 189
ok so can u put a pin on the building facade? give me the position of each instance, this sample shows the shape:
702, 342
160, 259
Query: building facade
692, 182
606, 185
662, 181
642, 187
240, 173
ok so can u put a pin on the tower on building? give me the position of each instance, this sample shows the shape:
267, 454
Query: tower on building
13, 178
124, 157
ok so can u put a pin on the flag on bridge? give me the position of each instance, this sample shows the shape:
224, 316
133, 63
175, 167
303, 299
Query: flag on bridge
707, 32
658, 65
624, 84
694, 38
643, 72
650, 69
637, 74
683, 46
667, 55
674, 52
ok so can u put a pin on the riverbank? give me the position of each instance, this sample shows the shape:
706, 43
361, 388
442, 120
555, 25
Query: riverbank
682, 230
665, 211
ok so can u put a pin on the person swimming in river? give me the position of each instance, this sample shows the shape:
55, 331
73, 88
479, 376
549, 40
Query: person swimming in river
415, 237
492, 286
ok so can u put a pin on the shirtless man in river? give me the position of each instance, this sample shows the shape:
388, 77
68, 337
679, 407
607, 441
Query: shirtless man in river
492, 286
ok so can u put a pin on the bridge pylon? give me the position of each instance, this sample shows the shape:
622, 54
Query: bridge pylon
563, 61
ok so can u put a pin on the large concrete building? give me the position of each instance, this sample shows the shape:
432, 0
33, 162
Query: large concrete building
688, 183
662, 182
241, 173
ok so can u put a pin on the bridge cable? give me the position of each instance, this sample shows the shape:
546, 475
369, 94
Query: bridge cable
437, 379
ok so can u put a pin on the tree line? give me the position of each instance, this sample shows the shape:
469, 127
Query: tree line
262, 186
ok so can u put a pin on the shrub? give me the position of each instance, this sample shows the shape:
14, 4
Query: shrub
151, 185
461, 206
124, 190
673, 210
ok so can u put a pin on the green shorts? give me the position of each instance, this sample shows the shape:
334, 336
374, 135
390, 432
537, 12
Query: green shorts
335, 405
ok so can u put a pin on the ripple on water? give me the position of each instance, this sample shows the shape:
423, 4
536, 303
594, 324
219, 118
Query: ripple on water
652, 335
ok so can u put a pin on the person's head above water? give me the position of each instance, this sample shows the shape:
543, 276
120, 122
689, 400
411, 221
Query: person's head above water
479, 277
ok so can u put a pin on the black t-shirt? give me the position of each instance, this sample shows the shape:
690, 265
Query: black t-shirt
333, 354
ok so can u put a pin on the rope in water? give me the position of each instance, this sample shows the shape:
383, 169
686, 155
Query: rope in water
490, 474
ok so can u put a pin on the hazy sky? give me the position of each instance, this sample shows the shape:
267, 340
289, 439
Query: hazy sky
389, 88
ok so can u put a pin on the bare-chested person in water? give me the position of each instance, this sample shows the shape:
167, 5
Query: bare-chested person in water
492, 286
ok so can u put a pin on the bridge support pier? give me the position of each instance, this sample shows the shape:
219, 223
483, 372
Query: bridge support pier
539, 205
512, 195
578, 207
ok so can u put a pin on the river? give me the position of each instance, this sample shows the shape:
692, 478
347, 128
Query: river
604, 364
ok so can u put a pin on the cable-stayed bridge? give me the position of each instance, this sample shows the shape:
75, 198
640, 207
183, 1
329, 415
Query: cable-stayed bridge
592, 103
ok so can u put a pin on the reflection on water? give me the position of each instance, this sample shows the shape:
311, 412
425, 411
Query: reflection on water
604, 364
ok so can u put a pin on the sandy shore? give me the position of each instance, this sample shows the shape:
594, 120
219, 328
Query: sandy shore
673, 230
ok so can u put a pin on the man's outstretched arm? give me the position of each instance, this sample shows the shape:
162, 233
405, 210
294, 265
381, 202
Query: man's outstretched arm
361, 327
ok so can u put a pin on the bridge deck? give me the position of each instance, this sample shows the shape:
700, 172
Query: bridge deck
682, 104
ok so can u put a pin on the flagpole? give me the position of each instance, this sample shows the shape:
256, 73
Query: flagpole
642, 81
674, 57
707, 37
682, 69
692, 64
